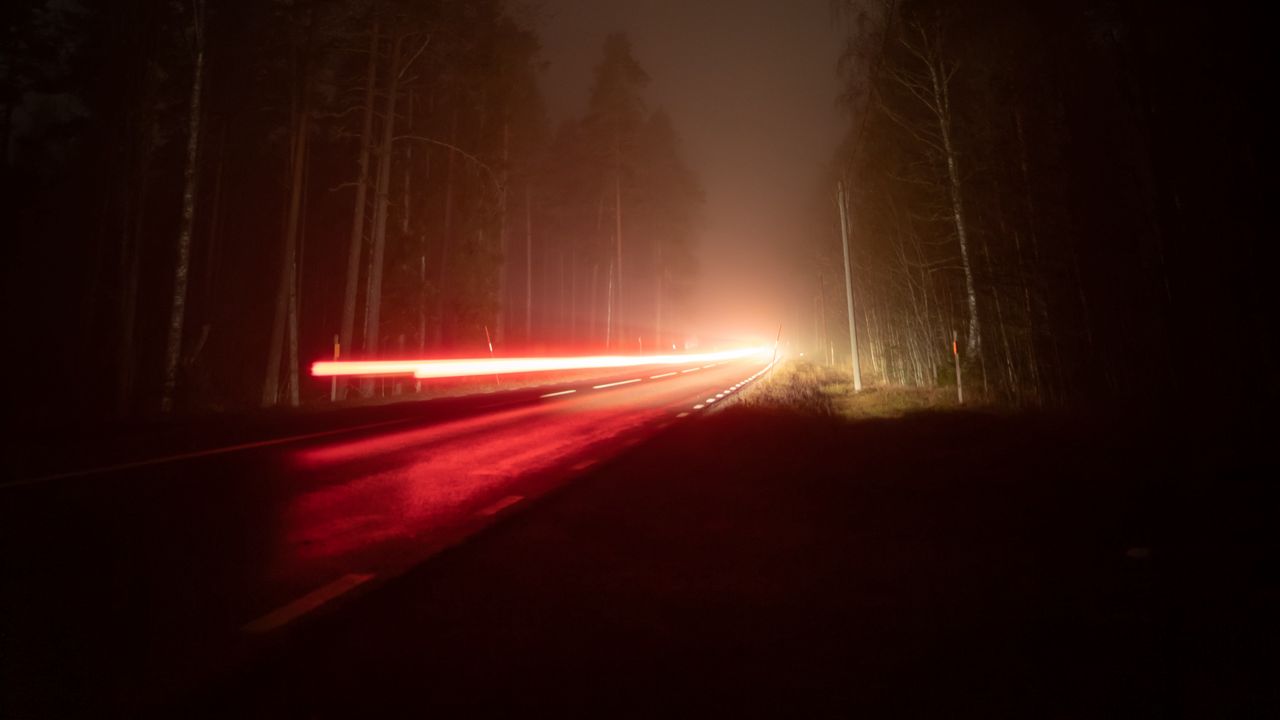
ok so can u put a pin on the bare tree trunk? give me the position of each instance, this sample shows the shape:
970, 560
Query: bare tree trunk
130, 259
447, 237
382, 201
132, 216
593, 317
6, 130
1010, 370
608, 328
351, 290
822, 311
559, 324
182, 265
1025, 166
933, 90
215, 228
504, 270
423, 295
657, 299
286, 291
295, 274
616, 313
573, 298
1032, 345
943, 96
528, 265
406, 187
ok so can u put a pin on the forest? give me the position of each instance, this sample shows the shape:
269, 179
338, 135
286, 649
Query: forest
204, 196
1066, 193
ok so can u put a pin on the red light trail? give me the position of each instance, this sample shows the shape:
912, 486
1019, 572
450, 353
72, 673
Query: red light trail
424, 369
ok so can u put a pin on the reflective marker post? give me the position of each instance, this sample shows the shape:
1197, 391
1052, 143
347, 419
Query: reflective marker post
333, 387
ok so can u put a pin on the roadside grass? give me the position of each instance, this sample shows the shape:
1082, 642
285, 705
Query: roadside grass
890, 401
802, 386
796, 386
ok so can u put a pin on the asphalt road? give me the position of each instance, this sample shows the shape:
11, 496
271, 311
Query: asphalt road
131, 584
769, 563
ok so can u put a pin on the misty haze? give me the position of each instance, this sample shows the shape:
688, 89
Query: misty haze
851, 358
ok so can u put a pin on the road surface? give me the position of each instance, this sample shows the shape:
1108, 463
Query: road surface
130, 584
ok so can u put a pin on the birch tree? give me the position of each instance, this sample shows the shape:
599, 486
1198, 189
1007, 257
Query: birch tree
929, 82
356, 242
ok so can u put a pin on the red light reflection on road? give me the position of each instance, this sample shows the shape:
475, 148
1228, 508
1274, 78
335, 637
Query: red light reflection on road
419, 437
436, 485
380, 501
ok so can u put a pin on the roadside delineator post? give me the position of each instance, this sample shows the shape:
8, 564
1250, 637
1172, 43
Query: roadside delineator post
489, 341
955, 350
337, 352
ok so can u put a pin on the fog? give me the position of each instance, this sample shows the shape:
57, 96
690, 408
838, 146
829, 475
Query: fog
751, 87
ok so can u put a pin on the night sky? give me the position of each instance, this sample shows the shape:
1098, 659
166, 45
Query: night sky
751, 86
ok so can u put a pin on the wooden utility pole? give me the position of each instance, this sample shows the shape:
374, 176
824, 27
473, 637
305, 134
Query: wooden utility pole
848, 284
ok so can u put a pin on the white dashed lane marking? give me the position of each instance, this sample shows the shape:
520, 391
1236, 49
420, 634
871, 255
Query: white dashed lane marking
305, 604
615, 384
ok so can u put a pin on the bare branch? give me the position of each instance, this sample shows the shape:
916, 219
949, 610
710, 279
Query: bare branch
493, 175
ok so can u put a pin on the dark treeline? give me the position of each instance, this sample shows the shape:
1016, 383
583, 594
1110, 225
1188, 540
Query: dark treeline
1071, 188
201, 195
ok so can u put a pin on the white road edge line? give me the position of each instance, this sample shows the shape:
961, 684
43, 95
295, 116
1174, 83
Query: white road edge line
690, 370
554, 394
655, 377
288, 613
